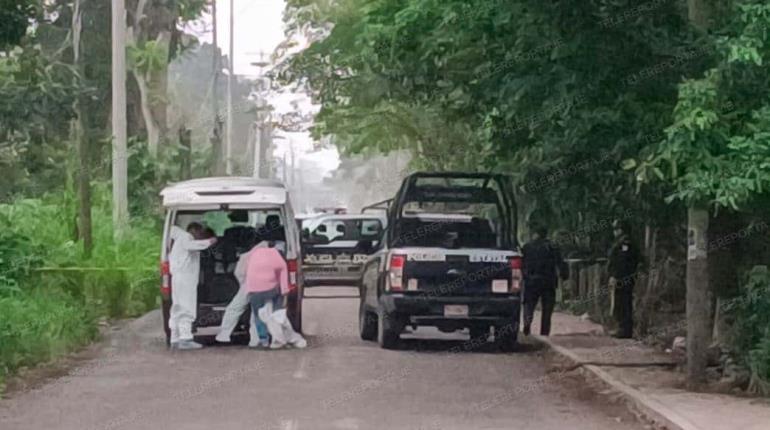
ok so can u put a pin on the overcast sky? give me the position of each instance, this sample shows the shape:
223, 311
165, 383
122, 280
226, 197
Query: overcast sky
259, 27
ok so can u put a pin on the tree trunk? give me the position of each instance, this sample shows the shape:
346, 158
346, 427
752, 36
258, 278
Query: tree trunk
650, 281
153, 131
700, 13
698, 296
159, 94
185, 141
84, 225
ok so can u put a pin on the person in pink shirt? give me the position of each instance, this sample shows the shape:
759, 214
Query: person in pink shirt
267, 279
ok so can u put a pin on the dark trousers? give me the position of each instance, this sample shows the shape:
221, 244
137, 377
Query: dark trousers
624, 310
539, 290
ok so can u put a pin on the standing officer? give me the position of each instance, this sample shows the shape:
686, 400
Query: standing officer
541, 261
622, 263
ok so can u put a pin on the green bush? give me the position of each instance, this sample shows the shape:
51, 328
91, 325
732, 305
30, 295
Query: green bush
36, 326
51, 293
751, 328
17, 257
119, 278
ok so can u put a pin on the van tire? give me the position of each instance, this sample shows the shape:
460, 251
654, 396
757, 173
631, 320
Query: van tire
165, 310
367, 322
294, 310
388, 330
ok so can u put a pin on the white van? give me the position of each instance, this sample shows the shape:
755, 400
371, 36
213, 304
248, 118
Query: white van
240, 212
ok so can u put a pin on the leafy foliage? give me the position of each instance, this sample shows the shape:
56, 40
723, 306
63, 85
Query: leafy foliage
14, 19
716, 150
36, 96
751, 327
522, 87
17, 257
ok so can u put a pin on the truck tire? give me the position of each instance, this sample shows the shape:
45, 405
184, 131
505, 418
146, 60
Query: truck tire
388, 330
479, 333
367, 322
506, 337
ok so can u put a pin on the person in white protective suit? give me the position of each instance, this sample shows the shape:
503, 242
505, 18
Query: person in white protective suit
184, 265
258, 335
280, 327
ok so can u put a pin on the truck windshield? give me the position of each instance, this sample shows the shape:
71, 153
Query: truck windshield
346, 230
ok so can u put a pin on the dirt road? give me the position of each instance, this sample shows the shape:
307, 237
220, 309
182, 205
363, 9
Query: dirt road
339, 382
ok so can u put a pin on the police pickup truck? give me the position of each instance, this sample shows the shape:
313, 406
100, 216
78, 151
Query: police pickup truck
449, 258
336, 246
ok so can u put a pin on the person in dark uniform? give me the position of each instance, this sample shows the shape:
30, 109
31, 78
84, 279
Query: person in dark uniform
542, 260
622, 263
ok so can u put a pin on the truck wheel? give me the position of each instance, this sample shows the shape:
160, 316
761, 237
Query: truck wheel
506, 337
479, 333
388, 330
367, 322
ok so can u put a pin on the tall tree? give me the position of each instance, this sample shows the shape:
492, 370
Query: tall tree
714, 153
154, 39
85, 229
698, 290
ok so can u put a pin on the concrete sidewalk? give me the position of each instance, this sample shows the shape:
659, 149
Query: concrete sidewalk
648, 379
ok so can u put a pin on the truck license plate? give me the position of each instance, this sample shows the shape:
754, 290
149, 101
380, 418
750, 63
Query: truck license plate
455, 311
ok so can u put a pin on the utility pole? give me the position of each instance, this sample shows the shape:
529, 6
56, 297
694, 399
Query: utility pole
216, 137
229, 144
264, 127
119, 153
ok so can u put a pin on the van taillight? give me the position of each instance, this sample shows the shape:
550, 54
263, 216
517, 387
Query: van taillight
516, 274
397, 272
292, 266
165, 278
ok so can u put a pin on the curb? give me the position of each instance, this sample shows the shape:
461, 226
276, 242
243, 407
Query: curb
655, 411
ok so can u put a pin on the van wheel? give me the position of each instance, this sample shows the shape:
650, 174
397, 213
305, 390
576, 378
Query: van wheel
166, 312
367, 322
388, 330
294, 311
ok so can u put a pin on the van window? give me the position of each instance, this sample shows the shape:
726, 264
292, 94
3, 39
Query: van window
254, 224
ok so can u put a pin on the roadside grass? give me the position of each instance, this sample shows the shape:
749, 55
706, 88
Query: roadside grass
51, 294
38, 326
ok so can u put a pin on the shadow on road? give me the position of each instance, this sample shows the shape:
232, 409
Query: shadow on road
463, 346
